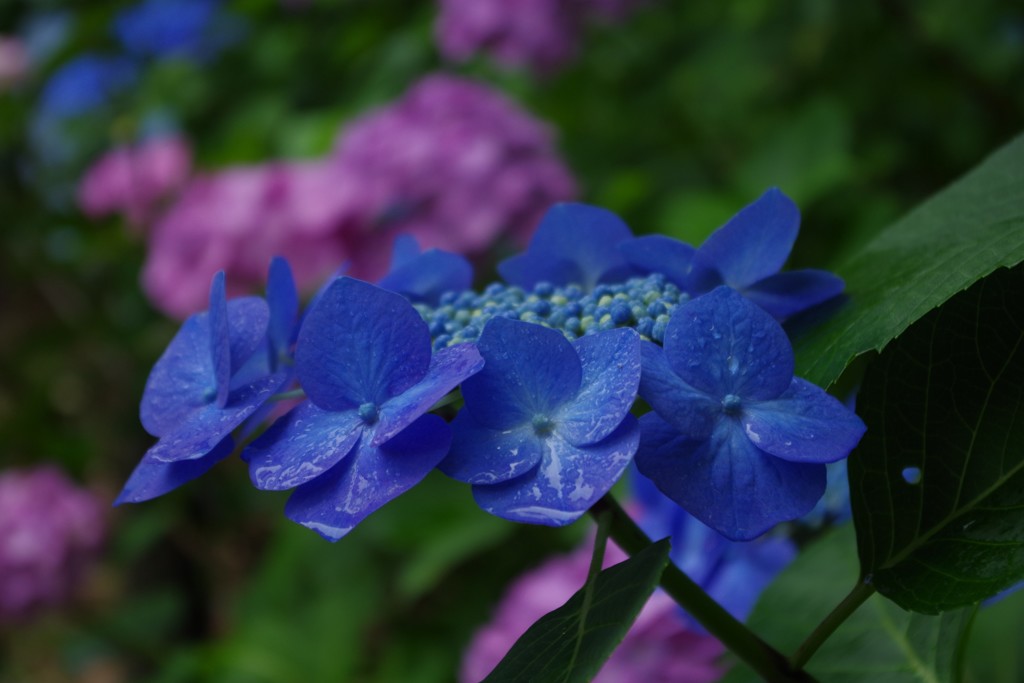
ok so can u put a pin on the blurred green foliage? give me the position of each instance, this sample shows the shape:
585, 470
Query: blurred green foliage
675, 119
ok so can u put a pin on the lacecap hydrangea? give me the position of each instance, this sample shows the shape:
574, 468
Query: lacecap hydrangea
549, 365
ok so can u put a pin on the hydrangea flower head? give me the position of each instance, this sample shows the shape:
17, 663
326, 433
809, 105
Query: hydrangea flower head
422, 277
735, 438
546, 428
574, 244
200, 390
453, 163
50, 532
363, 357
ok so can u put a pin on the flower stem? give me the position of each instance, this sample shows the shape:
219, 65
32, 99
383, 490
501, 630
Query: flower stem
854, 599
288, 395
771, 664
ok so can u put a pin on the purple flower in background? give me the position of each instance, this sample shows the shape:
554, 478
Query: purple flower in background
236, 220
734, 438
541, 35
453, 163
196, 29
661, 647
200, 390
134, 180
546, 428
363, 357
574, 244
14, 62
50, 532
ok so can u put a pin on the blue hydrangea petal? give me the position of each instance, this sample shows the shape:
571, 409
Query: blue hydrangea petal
805, 424
786, 294
571, 233
697, 549
725, 481
722, 343
611, 375
182, 380
528, 269
692, 412
448, 368
567, 482
360, 344
657, 513
481, 455
754, 244
300, 446
202, 429
427, 276
220, 338
834, 506
333, 503
529, 370
152, 478
747, 570
283, 303
660, 254
404, 249
733, 573
248, 319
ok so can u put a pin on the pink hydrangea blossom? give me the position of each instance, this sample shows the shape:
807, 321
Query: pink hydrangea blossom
14, 62
540, 35
132, 180
238, 219
452, 162
661, 647
50, 532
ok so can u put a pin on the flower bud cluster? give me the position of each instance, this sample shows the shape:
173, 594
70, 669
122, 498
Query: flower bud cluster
643, 303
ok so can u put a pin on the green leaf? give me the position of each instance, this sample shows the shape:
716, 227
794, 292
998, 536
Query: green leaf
808, 156
878, 643
431, 529
955, 238
994, 654
572, 643
305, 616
937, 484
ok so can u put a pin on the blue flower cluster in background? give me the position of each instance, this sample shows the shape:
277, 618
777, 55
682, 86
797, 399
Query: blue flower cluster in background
193, 29
86, 83
549, 366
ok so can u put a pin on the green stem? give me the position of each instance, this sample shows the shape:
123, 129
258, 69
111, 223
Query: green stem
771, 664
286, 395
854, 599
